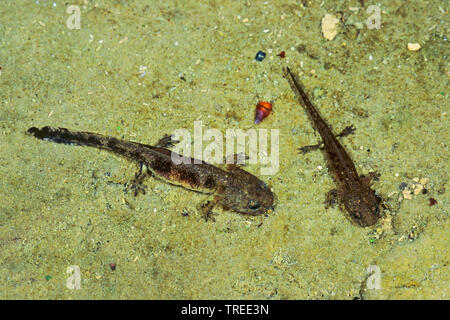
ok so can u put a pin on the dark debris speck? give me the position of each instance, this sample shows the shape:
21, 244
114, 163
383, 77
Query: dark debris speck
282, 54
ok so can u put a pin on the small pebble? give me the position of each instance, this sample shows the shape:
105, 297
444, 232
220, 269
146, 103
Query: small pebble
407, 194
418, 189
260, 56
329, 26
414, 47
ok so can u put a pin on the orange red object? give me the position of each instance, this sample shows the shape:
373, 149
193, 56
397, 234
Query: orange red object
263, 109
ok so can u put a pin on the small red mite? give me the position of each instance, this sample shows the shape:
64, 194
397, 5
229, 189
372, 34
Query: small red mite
282, 54
263, 109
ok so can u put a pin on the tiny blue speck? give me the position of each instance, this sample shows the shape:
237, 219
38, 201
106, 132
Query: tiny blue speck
260, 56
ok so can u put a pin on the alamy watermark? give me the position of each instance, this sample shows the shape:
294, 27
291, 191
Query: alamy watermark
374, 20
255, 139
373, 281
74, 280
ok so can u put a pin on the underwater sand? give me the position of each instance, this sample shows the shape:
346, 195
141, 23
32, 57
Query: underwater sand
120, 75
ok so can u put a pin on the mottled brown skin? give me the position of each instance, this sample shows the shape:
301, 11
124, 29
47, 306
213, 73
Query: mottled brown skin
235, 189
353, 191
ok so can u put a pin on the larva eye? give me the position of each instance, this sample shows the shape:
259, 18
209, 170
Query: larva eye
254, 205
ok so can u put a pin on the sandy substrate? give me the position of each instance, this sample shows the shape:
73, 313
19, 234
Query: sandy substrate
138, 71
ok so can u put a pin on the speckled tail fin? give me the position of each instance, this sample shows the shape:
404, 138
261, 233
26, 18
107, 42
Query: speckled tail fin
80, 138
